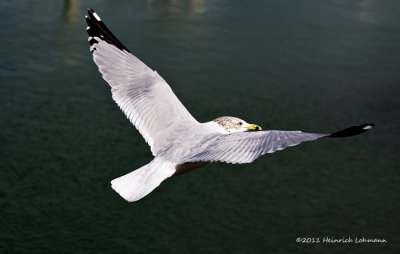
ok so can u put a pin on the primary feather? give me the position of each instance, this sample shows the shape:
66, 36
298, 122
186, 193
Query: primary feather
143, 95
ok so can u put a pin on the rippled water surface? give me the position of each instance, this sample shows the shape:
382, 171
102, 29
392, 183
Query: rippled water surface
316, 66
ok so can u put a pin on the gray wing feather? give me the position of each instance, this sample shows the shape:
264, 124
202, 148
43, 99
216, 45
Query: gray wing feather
143, 95
245, 147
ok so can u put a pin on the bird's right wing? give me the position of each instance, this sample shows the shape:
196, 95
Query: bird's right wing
143, 95
245, 147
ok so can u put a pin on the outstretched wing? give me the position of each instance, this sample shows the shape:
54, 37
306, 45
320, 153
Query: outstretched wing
245, 147
142, 94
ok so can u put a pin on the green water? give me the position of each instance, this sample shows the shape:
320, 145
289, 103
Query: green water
316, 66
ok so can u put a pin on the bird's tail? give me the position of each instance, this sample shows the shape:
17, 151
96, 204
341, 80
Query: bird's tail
137, 184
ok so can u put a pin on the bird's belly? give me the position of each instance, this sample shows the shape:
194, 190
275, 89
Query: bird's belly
187, 166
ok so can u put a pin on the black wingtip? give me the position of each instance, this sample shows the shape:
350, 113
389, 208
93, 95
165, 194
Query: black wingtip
355, 130
96, 28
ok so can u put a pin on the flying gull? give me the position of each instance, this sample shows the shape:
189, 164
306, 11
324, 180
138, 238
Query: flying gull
178, 142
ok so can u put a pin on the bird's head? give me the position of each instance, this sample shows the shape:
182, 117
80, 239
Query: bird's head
234, 124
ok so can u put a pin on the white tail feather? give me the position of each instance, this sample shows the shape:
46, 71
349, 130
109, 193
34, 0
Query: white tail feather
142, 181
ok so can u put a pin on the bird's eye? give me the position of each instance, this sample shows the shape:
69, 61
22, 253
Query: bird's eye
239, 123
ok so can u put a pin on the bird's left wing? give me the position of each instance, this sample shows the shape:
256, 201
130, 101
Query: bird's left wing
143, 95
245, 147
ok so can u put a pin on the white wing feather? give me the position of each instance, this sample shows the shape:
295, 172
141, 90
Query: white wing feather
143, 95
245, 147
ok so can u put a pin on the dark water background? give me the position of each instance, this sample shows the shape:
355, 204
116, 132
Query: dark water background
316, 66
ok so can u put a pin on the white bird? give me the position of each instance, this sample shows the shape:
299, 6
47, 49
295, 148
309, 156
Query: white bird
178, 142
